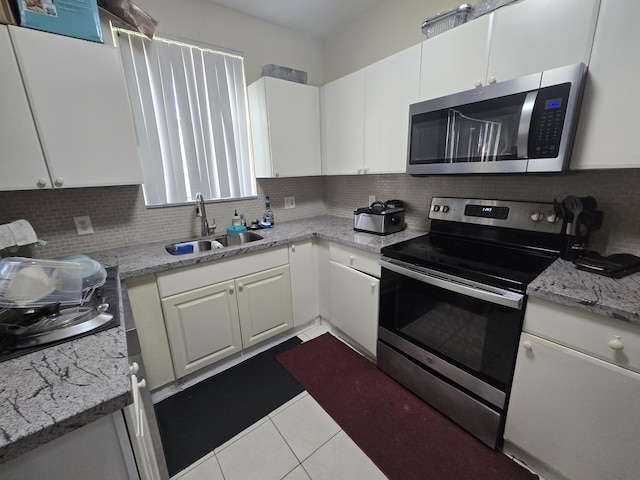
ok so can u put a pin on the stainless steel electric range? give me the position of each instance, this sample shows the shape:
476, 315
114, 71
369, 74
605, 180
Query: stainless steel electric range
452, 304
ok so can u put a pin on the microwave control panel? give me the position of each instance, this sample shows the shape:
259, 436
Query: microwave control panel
548, 119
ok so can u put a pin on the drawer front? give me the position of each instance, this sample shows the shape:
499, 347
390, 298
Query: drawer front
361, 260
185, 279
609, 339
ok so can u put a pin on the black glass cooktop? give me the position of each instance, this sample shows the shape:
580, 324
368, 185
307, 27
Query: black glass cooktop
498, 265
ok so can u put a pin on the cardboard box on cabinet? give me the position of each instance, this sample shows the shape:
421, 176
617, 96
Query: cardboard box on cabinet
8, 12
73, 18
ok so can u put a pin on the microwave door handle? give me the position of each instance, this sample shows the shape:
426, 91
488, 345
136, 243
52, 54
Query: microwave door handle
524, 127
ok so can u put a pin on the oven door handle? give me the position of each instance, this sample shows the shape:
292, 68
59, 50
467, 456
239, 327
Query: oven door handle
455, 284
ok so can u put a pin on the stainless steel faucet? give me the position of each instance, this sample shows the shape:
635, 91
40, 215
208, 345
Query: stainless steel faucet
201, 212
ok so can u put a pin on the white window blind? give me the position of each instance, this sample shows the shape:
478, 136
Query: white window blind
190, 111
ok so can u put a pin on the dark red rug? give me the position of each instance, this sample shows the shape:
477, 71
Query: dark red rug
405, 437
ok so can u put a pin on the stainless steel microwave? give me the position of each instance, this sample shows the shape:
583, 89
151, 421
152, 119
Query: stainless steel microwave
517, 126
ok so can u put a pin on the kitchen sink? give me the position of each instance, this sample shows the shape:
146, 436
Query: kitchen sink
219, 241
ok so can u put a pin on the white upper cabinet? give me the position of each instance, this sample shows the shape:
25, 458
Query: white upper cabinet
285, 127
365, 116
391, 85
78, 99
342, 117
609, 117
524, 37
455, 60
22, 161
530, 36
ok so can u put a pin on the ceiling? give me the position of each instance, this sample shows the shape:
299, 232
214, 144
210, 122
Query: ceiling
318, 18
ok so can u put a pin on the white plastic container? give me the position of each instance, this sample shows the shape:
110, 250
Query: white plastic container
30, 282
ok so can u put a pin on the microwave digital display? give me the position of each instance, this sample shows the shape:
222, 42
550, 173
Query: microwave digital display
553, 103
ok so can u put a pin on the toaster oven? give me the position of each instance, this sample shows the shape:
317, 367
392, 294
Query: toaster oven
380, 218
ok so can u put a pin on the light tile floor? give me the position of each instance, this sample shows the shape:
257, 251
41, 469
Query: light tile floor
297, 441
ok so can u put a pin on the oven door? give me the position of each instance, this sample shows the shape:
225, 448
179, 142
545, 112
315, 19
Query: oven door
466, 332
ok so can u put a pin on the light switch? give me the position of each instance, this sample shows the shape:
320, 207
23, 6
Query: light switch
83, 225
289, 202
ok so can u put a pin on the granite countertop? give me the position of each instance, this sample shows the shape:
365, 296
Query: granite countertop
51, 392
150, 258
563, 283
48, 393
58, 389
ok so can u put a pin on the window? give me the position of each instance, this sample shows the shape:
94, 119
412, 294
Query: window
190, 110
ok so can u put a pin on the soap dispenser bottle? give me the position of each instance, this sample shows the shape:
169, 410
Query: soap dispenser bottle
236, 221
268, 213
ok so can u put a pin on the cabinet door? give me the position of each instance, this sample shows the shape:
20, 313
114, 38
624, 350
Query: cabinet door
391, 85
303, 268
264, 304
608, 120
78, 97
342, 114
535, 35
354, 305
576, 414
203, 326
285, 127
154, 344
22, 161
455, 60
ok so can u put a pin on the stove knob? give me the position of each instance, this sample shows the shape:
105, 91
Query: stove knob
553, 218
536, 217
395, 219
436, 208
445, 209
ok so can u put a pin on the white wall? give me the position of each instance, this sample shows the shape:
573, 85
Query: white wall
261, 42
388, 28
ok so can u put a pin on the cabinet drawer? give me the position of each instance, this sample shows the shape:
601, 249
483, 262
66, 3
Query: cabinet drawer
188, 278
609, 339
361, 260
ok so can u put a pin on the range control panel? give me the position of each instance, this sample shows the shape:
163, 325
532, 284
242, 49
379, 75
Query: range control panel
533, 216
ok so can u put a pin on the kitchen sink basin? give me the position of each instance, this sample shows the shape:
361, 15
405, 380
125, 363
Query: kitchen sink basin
220, 241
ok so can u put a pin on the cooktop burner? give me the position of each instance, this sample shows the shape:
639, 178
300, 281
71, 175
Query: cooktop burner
12, 346
501, 243
498, 265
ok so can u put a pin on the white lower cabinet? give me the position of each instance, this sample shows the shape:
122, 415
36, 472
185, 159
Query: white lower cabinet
192, 317
210, 323
202, 326
214, 310
99, 450
303, 267
572, 415
264, 305
152, 333
354, 293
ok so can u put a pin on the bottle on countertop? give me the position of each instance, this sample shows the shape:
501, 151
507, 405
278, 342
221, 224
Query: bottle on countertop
236, 221
268, 214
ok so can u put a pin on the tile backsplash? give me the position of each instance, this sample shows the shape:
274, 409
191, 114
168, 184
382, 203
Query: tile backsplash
119, 216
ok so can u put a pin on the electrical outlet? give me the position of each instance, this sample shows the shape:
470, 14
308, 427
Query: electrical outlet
83, 225
372, 198
289, 202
